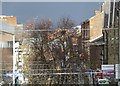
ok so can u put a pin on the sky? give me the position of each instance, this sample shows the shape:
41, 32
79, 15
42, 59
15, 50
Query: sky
24, 11
52, 0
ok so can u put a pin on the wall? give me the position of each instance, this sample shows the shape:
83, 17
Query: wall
95, 56
96, 25
9, 20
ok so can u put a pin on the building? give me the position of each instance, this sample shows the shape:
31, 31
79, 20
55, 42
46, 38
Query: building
7, 27
92, 27
111, 33
11, 20
6, 47
96, 52
91, 31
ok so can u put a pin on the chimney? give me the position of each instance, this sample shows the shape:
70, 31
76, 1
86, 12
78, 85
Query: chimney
97, 12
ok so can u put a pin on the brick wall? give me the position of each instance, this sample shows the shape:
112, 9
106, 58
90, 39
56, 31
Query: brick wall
95, 56
96, 25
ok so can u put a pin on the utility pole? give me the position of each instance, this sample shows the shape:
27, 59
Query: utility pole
119, 30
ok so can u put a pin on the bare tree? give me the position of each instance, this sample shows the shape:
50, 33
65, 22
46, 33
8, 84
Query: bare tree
66, 23
37, 36
53, 49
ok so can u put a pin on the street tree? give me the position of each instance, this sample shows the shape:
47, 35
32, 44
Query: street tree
37, 36
52, 51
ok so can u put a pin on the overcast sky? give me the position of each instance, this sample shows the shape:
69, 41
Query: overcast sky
78, 11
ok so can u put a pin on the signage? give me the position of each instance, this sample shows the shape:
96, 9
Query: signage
117, 71
108, 72
108, 69
103, 81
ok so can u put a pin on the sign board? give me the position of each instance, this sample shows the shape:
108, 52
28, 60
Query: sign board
103, 81
117, 71
108, 72
108, 69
